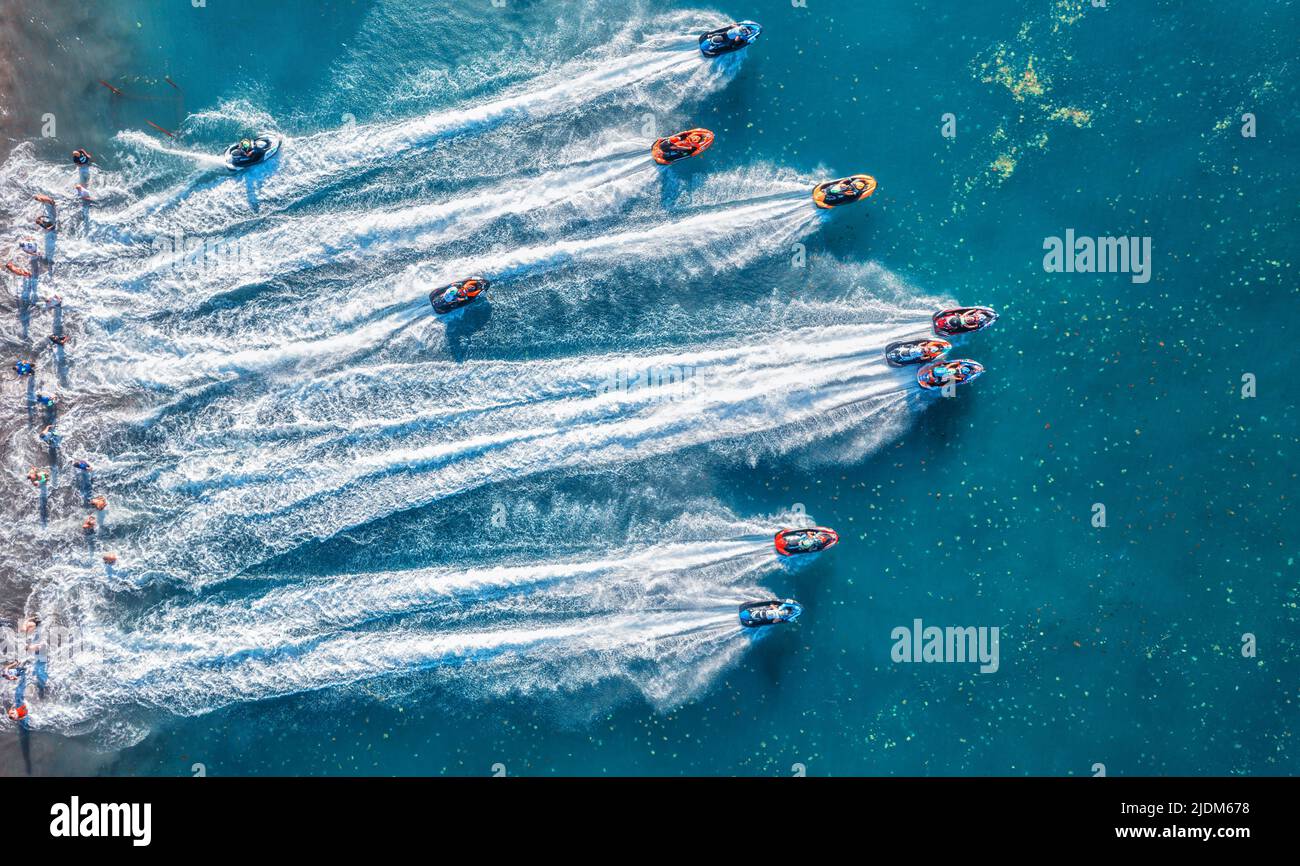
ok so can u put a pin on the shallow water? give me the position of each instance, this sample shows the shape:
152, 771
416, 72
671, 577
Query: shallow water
354, 538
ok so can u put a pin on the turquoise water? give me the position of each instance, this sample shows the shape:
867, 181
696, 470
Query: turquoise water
290, 443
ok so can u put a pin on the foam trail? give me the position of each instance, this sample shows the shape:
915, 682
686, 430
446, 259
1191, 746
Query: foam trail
284, 337
346, 237
590, 651
346, 450
309, 164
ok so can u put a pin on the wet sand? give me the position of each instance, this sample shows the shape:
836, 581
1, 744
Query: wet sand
52, 56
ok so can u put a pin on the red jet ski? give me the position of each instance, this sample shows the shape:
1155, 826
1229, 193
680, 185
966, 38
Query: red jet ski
963, 320
846, 190
907, 352
942, 372
792, 542
692, 142
457, 295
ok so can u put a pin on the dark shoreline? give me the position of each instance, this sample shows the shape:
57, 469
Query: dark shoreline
53, 55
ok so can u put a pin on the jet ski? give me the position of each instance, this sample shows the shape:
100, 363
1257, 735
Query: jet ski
792, 542
252, 151
846, 190
963, 320
457, 295
756, 614
725, 40
907, 352
940, 373
682, 145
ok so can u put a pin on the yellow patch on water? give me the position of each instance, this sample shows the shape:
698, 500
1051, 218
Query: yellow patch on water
1078, 116
1003, 166
1002, 69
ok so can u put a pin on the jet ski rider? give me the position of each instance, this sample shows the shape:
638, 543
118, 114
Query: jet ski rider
848, 189
972, 319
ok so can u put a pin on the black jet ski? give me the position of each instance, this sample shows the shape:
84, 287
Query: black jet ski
963, 320
941, 373
907, 352
846, 190
792, 542
725, 40
756, 614
249, 152
457, 295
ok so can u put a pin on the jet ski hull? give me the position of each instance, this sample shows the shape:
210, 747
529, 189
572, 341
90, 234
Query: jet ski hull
938, 374
441, 306
665, 155
715, 43
235, 161
787, 540
945, 329
823, 198
906, 353
751, 613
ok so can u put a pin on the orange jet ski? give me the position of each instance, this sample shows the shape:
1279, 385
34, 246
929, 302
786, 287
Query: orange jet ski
686, 144
846, 190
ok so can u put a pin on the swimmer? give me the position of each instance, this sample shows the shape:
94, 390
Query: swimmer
110, 559
59, 339
99, 502
18, 713
38, 477
89, 524
50, 436
23, 368
81, 156
45, 222
83, 466
84, 194
47, 400
53, 301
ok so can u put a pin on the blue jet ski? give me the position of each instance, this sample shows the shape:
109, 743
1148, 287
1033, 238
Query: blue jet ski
906, 352
249, 152
756, 614
725, 40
